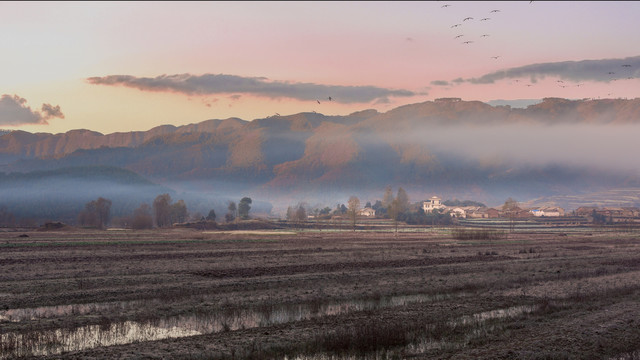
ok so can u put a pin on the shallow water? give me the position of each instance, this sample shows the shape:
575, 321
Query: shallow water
87, 337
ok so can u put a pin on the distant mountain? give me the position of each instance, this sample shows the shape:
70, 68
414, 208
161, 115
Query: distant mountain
2, 132
423, 147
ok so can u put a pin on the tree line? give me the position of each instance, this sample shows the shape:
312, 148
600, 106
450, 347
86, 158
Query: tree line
162, 213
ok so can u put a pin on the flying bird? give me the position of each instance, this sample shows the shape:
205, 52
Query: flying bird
277, 114
495, 11
611, 73
495, 57
318, 101
467, 18
484, 35
445, 5
330, 98
459, 36
626, 65
485, 19
456, 25
467, 42
560, 81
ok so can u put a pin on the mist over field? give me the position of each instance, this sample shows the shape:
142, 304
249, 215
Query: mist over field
451, 148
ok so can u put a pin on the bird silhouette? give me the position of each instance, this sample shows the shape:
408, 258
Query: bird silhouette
484, 35
330, 98
495, 57
277, 114
467, 18
467, 42
445, 5
318, 101
459, 36
626, 65
485, 19
456, 25
495, 11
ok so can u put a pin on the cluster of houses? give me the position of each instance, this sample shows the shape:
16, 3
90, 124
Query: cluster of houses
612, 214
478, 212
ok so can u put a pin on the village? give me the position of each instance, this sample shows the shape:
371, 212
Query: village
585, 214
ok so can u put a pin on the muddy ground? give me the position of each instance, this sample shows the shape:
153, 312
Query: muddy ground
419, 294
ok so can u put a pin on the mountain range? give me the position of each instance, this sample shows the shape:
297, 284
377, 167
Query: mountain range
431, 148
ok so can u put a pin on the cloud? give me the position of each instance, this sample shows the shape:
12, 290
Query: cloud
51, 111
440, 83
604, 70
225, 84
14, 111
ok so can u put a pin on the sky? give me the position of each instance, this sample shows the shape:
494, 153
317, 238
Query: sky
130, 66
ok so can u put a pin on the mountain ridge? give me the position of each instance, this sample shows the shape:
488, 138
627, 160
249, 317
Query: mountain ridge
309, 155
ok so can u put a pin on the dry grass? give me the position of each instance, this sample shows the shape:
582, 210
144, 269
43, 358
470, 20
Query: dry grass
329, 292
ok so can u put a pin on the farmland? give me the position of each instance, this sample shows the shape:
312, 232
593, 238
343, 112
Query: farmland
420, 293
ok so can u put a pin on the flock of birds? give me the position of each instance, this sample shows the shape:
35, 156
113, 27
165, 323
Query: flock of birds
495, 12
496, 57
470, 18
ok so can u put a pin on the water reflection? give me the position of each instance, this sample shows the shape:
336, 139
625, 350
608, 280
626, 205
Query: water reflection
86, 337
428, 344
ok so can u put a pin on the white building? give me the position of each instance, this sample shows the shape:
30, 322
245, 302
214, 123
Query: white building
432, 204
368, 212
548, 211
458, 212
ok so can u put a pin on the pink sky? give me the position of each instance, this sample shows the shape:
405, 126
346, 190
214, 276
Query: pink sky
402, 50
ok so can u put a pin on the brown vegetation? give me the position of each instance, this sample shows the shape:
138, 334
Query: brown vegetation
423, 293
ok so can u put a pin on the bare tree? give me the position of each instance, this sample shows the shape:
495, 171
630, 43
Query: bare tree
398, 207
387, 198
291, 213
510, 209
394, 213
301, 214
162, 210
231, 212
352, 210
103, 207
96, 213
179, 212
403, 200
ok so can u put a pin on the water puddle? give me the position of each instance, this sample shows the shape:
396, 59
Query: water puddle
53, 342
429, 344
494, 314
